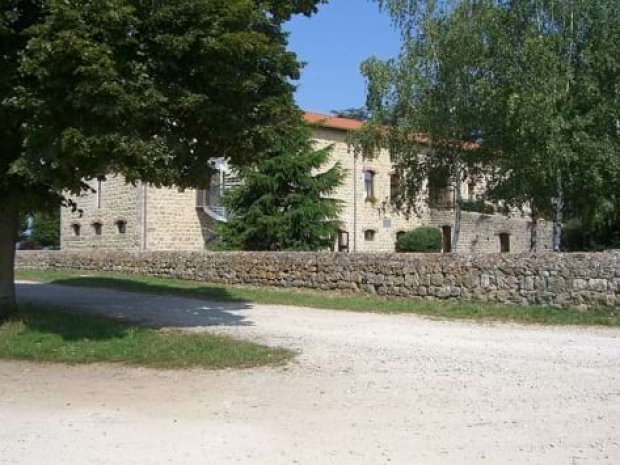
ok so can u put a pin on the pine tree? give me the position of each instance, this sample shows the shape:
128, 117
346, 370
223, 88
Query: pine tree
284, 202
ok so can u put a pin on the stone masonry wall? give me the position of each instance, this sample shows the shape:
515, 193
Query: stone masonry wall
113, 201
581, 279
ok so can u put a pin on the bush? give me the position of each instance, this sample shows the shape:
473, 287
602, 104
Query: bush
426, 239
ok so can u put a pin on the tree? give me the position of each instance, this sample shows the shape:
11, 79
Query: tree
428, 97
552, 106
360, 113
283, 203
535, 83
45, 228
146, 89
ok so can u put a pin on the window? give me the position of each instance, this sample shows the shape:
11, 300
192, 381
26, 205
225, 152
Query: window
76, 229
97, 228
343, 241
369, 235
121, 226
394, 187
447, 239
504, 242
369, 185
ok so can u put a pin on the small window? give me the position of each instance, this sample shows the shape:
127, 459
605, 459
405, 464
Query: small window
76, 229
369, 235
97, 228
394, 187
343, 241
369, 185
121, 226
504, 242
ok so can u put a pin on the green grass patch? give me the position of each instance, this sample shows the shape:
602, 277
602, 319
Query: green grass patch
58, 336
326, 300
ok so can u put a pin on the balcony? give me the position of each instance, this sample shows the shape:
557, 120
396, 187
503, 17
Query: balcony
210, 200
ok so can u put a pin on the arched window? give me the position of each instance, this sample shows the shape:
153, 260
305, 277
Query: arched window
97, 228
121, 226
369, 185
369, 235
76, 229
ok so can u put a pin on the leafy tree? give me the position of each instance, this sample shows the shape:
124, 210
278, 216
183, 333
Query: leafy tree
428, 96
360, 113
146, 89
534, 82
283, 203
552, 106
46, 228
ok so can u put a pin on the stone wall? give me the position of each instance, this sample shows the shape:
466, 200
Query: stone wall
108, 203
581, 279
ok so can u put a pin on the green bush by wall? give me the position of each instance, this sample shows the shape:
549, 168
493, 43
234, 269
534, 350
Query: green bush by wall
425, 239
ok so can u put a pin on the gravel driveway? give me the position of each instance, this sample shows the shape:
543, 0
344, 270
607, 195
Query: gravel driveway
366, 389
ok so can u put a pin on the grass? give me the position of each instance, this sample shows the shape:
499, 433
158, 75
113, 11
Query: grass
57, 336
359, 303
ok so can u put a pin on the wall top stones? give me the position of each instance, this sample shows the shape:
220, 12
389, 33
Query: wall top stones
562, 280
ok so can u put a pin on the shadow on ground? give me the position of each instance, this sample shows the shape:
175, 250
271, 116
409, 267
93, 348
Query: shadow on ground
138, 303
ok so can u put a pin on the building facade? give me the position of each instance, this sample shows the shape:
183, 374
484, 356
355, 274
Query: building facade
119, 216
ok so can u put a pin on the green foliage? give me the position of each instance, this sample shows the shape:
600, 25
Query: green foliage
424, 239
46, 228
580, 236
283, 202
534, 83
146, 89
360, 114
478, 206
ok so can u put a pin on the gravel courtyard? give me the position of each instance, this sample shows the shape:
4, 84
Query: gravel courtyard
365, 389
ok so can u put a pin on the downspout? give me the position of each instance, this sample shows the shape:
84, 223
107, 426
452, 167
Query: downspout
143, 239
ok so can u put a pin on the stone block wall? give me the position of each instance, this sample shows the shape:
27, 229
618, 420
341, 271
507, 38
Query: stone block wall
108, 203
480, 233
563, 280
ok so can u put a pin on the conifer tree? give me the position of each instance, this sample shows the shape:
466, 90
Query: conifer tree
284, 201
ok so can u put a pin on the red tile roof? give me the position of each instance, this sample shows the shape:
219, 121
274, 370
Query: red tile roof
348, 124
333, 122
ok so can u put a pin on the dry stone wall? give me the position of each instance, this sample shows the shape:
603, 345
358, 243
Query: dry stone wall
562, 280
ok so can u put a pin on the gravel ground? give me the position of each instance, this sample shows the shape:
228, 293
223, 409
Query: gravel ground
366, 389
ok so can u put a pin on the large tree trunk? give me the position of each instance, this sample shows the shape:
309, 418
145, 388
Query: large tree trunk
9, 222
458, 200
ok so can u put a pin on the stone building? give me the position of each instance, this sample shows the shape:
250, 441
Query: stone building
120, 216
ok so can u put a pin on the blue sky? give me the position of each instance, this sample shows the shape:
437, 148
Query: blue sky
333, 43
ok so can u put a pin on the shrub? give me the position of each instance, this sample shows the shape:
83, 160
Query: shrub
426, 239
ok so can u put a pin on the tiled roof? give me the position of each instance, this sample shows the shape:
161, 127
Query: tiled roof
334, 122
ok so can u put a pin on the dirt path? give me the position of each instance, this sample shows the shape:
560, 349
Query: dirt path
367, 389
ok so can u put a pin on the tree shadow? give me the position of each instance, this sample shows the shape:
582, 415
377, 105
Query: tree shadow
206, 291
129, 303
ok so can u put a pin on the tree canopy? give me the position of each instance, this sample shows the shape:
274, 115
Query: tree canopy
146, 89
534, 83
